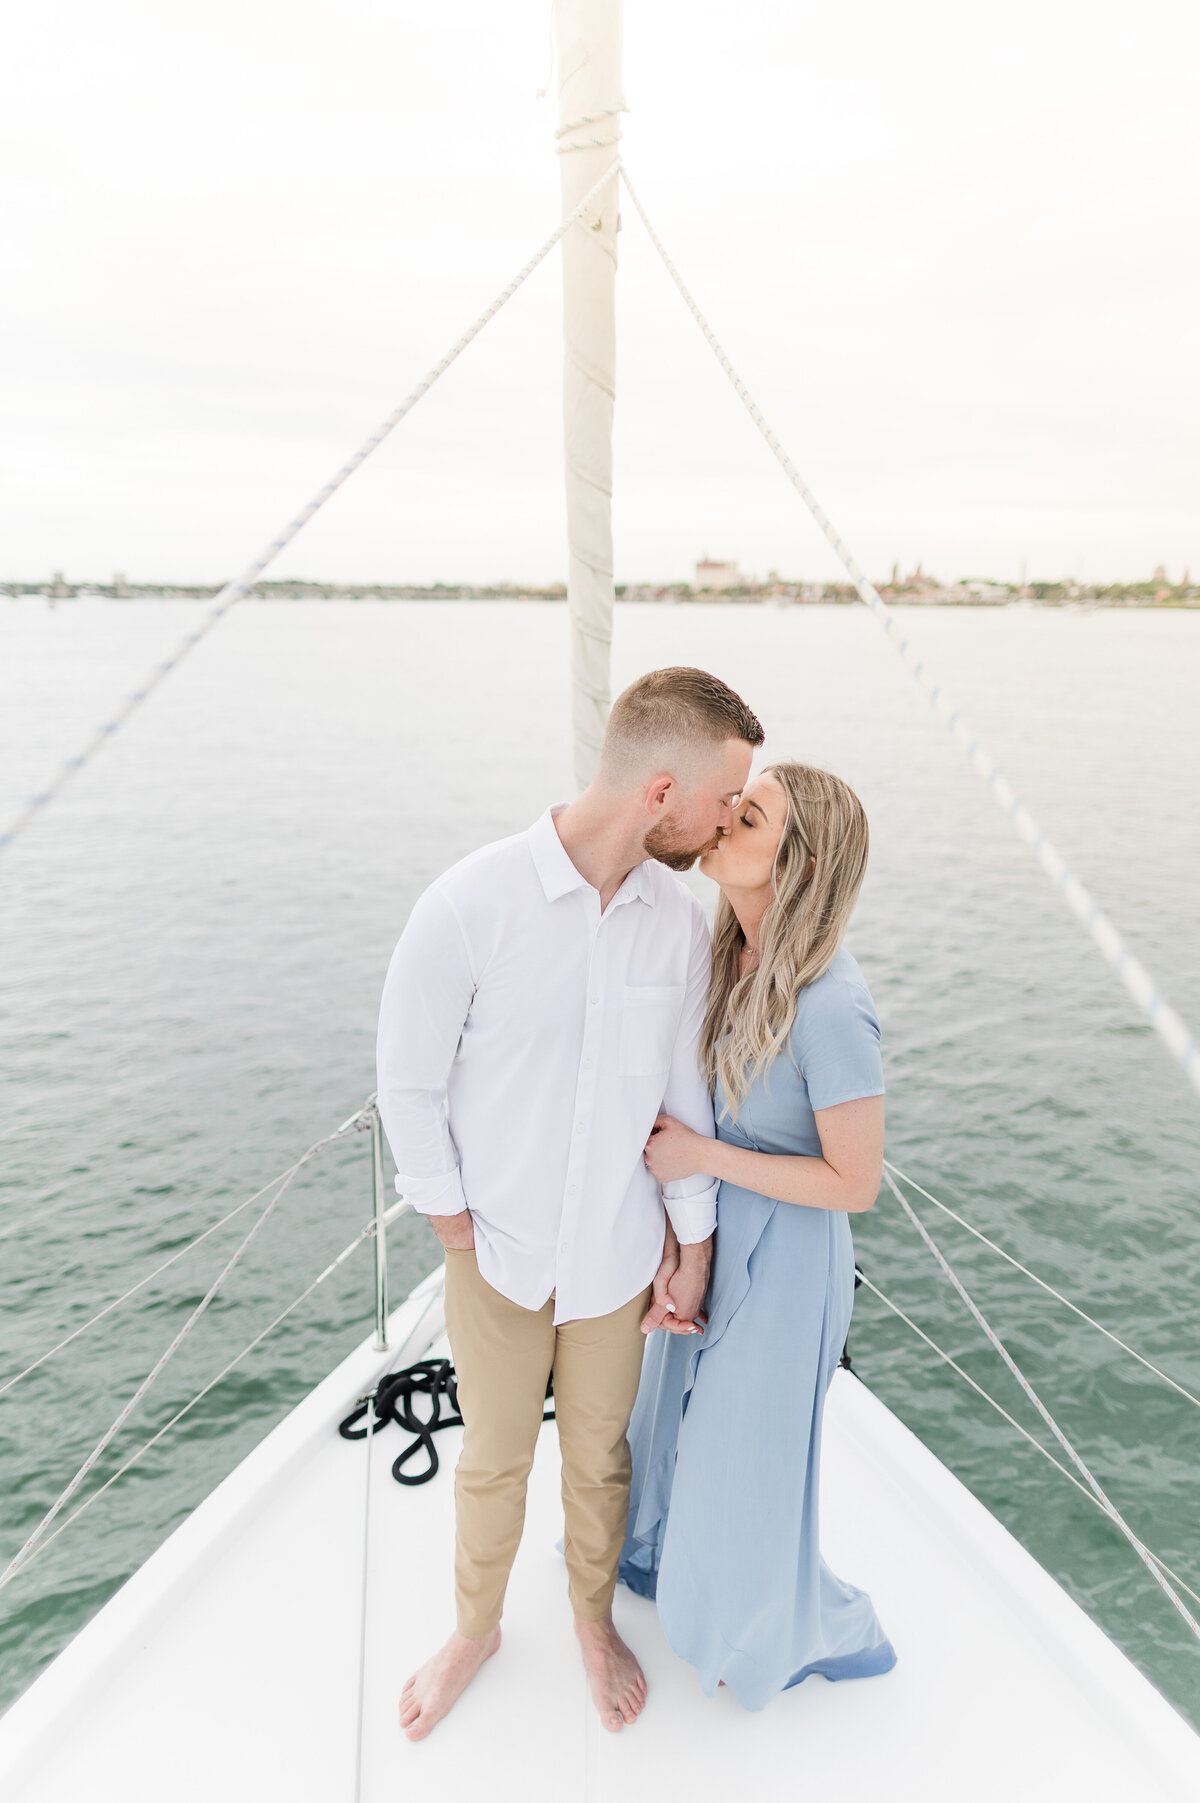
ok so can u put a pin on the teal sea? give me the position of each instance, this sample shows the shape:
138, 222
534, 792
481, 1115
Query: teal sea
195, 937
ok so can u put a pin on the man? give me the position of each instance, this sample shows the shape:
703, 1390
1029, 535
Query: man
544, 1002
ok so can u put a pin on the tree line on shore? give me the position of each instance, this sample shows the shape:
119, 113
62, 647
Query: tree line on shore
970, 592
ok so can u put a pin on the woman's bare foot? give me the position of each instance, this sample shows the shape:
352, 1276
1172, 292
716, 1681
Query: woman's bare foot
433, 1691
617, 1685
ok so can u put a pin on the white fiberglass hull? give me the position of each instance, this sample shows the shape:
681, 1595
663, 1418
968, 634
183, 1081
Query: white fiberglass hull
227, 1667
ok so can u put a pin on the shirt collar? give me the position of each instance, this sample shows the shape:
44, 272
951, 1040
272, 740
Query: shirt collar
559, 875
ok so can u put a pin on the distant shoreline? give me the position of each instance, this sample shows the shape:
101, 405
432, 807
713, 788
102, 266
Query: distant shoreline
927, 593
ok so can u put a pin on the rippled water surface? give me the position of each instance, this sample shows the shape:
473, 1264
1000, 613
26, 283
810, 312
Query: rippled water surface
195, 937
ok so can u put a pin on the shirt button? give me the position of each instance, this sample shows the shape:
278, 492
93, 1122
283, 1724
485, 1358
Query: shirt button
587, 1064
572, 1189
594, 999
580, 1126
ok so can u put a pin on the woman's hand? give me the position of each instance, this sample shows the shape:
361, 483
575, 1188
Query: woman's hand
674, 1151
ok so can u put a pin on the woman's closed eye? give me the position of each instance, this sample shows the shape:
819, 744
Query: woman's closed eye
745, 820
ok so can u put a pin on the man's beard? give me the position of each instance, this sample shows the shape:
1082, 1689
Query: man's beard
660, 843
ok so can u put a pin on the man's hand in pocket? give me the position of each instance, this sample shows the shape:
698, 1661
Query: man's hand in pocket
456, 1232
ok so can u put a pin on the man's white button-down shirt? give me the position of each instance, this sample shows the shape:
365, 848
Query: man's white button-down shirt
526, 1043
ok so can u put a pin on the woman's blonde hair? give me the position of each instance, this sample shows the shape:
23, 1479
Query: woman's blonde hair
819, 867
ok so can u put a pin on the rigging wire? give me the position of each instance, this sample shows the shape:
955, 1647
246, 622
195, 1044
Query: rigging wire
1171, 1028
367, 1233
116, 1302
235, 591
1013, 1422
21, 1556
1042, 1284
1109, 1507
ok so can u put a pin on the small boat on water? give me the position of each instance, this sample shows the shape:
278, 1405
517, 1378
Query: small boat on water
260, 1651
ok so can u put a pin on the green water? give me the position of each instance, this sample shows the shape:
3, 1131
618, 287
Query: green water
196, 935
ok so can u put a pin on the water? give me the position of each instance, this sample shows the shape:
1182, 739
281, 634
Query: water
196, 934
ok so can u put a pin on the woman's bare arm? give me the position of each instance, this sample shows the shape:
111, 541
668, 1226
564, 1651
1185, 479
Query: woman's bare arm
845, 1177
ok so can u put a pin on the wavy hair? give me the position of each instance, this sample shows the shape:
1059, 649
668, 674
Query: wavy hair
819, 866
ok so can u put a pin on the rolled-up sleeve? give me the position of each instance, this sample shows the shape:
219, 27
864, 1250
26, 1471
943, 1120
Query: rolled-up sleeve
426, 999
691, 1202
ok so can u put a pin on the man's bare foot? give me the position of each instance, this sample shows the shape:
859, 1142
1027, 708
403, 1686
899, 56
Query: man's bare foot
433, 1691
617, 1685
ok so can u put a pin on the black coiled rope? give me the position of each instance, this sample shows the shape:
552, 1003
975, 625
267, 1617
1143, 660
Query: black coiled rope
393, 1401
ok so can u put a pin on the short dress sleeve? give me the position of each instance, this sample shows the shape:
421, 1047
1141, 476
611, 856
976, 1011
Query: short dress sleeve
835, 1040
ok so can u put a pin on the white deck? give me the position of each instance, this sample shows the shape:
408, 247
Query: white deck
227, 1667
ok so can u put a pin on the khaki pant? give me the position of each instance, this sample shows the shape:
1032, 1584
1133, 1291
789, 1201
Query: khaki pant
503, 1355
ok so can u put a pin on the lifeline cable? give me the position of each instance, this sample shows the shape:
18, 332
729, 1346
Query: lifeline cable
1013, 1422
1110, 1508
335, 1264
22, 1555
1049, 1288
11, 1382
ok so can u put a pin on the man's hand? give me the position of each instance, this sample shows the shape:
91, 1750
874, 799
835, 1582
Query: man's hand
456, 1232
679, 1311
687, 1288
657, 1313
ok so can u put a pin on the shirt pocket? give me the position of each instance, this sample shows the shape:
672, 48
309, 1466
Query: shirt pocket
649, 1023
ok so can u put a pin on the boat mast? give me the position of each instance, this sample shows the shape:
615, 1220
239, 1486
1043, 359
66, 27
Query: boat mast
590, 103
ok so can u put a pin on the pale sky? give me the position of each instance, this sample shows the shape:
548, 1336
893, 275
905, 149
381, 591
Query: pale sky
952, 249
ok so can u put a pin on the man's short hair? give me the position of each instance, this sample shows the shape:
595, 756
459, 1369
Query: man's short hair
673, 720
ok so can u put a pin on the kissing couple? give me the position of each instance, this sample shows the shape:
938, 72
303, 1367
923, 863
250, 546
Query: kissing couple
616, 1124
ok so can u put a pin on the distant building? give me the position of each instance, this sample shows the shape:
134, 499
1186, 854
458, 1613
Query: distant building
58, 588
120, 587
1160, 573
919, 585
719, 576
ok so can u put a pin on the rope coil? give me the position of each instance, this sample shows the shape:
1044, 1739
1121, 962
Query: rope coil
392, 1400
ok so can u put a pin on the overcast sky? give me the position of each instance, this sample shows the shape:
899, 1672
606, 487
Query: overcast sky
953, 250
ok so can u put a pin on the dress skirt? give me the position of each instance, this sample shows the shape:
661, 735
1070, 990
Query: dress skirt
726, 1436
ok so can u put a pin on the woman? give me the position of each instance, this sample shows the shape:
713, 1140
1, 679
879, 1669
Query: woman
726, 1430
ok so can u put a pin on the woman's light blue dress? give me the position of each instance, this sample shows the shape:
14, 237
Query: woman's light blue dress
726, 1430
